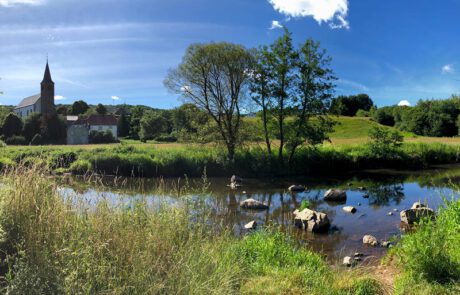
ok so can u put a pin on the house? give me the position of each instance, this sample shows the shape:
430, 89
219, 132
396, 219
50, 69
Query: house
42, 103
78, 129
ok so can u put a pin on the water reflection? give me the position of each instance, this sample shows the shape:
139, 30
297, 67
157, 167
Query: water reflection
385, 191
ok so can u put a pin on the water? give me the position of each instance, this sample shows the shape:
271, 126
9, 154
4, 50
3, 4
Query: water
388, 191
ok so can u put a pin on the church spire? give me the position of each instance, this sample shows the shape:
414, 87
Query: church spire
47, 76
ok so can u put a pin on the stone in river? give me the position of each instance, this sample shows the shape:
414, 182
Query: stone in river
253, 205
370, 240
349, 261
296, 188
349, 209
417, 212
311, 220
251, 225
335, 195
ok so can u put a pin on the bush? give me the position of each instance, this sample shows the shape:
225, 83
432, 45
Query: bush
362, 113
16, 140
384, 141
98, 137
81, 167
166, 138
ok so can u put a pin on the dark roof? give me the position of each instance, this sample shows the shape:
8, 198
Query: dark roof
47, 75
95, 120
28, 101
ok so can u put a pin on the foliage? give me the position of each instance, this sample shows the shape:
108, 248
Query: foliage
214, 77
385, 116
304, 205
32, 126
152, 125
55, 130
350, 105
16, 140
362, 113
12, 125
292, 85
79, 107
384, 141
123, 124
429, 256
101, 109
98, 137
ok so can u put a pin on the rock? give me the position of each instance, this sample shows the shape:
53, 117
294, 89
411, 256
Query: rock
366, 196
359, 204
386, 244
348, 261
395, 210
390, 213
349, 209
418, 205
412, 216
357, 254
335, 195
370, 240
253, 205
244, 192
236, 179
296, 188
361, 188
251, 225
234, 185
311, 220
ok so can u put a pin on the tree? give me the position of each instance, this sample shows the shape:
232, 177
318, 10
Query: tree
135, 120
54, 130
214, 77
79, 107
315, 85
384, 141
349, 105
294, 88
32, 126
62, 110
152, 125
101, 109
123, 123
12, 125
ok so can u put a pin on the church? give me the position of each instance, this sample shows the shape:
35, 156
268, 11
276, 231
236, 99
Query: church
42, 103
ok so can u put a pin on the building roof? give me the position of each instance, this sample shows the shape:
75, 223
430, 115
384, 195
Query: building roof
28, 101
47, 75
95, 120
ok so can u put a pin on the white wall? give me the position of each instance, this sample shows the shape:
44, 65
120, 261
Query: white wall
25, 111
103, 128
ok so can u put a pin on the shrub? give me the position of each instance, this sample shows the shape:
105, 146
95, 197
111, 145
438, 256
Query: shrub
362, 113
16, 140
80, 167
384, 142
97, 137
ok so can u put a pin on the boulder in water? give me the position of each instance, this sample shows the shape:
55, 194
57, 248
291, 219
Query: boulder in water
335, 195
253, 205
311, 220
296, 188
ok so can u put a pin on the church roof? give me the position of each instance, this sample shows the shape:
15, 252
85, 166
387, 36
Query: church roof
28, 101
47, 75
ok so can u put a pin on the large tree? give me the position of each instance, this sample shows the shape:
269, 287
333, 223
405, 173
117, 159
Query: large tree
12, 125
215, 77
293, 86
78, 108
152, 125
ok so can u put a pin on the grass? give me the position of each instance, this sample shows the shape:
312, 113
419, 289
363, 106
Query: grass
56, 245
430, 256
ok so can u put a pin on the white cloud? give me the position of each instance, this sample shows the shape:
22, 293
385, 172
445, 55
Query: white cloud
10, 3
276, 25
404, 103
352, 84
59, 97
448, 69
332, 12
114, 97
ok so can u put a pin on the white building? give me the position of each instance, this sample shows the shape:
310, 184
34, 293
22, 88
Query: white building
78, 130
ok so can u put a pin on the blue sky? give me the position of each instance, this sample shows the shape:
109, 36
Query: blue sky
98, 49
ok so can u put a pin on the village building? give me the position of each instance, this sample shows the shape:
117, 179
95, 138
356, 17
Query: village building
78, 129
42, 103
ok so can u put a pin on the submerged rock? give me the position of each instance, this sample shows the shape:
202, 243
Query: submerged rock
296, 188
417, 212
311, 220
253, 205
370, 240
235, 182
386, 244
335, 195
349, 209
251, 225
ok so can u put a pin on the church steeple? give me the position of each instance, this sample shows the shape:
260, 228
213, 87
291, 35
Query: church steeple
47, 76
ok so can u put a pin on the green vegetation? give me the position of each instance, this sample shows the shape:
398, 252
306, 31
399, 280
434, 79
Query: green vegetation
55, 245
430, 255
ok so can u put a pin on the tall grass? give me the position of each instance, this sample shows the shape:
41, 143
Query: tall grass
64, 245
430, 256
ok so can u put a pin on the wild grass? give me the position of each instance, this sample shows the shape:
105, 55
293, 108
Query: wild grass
60, 245
148, 161
430, 255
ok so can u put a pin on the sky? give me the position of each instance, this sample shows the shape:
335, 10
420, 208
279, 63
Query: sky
119, 51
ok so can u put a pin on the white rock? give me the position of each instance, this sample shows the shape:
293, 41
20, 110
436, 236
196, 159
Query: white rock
370, 240
349, 209
251, 225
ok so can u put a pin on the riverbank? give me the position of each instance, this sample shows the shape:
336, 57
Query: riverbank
56, 245
195, 160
